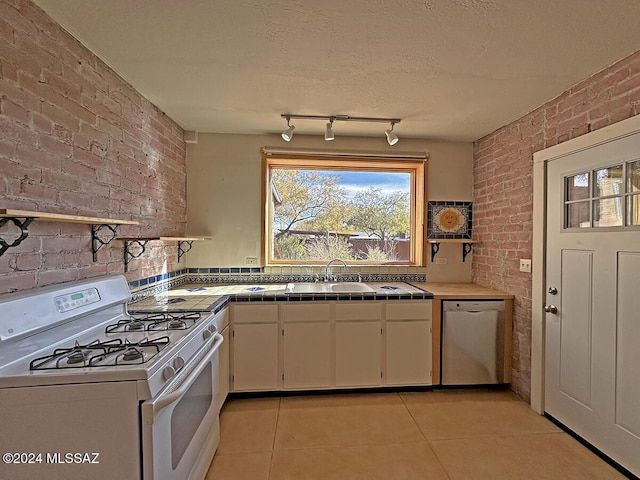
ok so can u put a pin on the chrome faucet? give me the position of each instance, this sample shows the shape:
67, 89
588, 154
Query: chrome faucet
326, 268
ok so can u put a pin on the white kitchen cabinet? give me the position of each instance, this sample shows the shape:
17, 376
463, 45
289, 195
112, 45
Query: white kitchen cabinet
325, 345
358, 353
409, 343
306, 345
255, 335
306, 355
408, 355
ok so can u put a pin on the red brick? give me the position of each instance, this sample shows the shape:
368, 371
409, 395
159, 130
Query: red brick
26, 262
45, 59
41, 123
87, 158
58, 115
53, 145
50, 277
35, 157
78, 170
16, 281
18, 22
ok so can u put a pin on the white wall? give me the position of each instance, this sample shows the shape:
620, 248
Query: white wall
224, 192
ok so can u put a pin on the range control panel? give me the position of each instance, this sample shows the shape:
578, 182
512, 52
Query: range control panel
70, 301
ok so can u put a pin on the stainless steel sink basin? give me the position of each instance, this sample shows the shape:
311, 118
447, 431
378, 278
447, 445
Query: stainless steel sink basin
322, 287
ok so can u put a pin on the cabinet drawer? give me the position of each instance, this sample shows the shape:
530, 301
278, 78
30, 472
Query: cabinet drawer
295, 312
358, 310
254, 313
402, 310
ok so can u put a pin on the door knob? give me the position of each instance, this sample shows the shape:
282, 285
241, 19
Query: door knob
551, 309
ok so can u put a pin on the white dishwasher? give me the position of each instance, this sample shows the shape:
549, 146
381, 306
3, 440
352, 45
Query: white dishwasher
472, 342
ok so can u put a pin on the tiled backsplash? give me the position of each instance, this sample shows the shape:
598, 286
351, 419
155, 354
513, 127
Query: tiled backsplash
281, 274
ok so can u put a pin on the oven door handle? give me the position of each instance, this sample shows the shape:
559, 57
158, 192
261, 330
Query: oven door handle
176, 389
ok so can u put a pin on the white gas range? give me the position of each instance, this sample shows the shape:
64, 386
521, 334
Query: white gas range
90, 390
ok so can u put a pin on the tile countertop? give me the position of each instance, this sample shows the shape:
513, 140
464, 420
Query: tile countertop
462, 291
202, 297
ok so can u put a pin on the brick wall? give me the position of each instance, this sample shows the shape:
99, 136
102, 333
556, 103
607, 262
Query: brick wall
503, 186
75, 138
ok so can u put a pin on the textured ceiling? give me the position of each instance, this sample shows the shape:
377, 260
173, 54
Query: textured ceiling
451, 69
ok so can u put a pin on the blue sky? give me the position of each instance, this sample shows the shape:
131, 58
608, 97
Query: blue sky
388, 182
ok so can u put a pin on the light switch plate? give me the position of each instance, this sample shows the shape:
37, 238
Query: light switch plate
441, 261
251, 261
525, 265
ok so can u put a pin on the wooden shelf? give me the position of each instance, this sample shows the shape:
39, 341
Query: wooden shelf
98, 224
168, 239
184, 245
467, 245
59, 217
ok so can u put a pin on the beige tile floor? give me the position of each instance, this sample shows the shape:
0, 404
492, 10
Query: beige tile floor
453, 435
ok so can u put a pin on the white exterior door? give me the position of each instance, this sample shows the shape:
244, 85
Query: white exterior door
592, 339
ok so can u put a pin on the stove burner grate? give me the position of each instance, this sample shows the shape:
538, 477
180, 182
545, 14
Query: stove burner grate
99, 354
152, 322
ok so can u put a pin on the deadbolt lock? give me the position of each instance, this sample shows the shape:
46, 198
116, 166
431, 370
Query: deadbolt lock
553, 290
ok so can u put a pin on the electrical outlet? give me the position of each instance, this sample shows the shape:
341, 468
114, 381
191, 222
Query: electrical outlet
525, 265
441, 261
250, 261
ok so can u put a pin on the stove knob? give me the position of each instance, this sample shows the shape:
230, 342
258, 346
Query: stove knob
178, 363
168, 372
206, 334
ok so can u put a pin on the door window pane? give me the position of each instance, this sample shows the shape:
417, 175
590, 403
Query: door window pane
577, 187
633, 210
608, 212
633, 177
577, 215
608, 181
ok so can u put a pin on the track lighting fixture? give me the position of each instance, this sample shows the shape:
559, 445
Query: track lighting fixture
392, 138
328, 130
288, 133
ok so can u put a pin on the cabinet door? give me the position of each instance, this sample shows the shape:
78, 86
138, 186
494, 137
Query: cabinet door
307, 355
358, 354
255, 357
409, 352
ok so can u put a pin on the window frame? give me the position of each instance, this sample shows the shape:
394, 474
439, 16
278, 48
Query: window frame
418, 181
625, 196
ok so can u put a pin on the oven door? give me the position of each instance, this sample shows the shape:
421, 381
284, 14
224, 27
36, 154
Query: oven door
180, 427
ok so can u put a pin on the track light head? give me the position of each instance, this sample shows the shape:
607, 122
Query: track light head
328, 131
288, 133
392, 138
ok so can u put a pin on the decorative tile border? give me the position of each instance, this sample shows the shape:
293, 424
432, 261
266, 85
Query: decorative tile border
315, 297
158, 284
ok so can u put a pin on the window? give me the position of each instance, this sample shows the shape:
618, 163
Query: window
605, 197
363, 211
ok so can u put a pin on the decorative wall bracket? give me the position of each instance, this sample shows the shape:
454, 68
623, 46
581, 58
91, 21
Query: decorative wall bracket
184, 245
467, 246
129, 255
96, 242
24, 232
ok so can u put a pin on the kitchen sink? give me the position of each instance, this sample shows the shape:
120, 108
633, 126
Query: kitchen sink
322, 287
